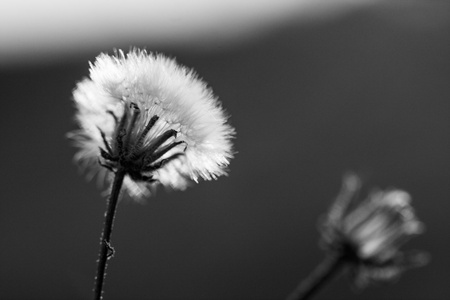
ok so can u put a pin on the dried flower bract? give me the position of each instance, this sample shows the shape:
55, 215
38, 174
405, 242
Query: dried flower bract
369, 234
152, 118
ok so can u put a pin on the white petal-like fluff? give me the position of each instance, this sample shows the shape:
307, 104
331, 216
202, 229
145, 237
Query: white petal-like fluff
158, 86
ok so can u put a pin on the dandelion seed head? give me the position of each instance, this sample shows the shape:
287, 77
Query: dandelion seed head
370, 233
134, 88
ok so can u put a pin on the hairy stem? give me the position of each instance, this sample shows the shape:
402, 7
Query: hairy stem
323, 272
106, 251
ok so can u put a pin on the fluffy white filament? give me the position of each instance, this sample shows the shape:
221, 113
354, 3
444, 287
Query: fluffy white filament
158, 86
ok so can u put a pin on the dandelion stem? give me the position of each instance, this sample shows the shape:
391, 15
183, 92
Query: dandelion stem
106, 251
321, 274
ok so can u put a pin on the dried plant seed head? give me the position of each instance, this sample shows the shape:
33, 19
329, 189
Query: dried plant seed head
146, 114
369, 234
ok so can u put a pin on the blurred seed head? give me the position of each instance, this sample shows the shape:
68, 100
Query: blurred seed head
368, 234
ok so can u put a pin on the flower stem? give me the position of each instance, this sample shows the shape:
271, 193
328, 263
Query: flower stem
323, 272
106, 251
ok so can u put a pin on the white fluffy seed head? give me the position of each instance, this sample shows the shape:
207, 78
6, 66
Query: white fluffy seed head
158, 86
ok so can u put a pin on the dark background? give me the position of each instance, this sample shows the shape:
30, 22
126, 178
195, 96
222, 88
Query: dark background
368, 91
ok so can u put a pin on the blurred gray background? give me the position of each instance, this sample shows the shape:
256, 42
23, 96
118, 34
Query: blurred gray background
312, 90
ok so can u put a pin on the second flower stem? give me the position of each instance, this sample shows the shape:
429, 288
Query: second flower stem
106, 251
323, 272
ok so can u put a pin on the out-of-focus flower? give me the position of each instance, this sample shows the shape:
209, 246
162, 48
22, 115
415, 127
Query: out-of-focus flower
155, 120
369, 234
